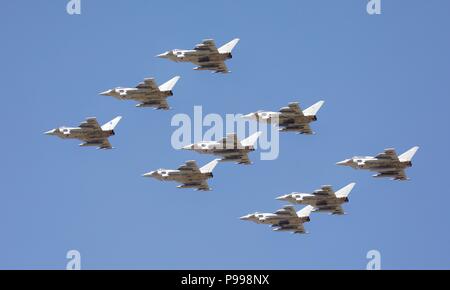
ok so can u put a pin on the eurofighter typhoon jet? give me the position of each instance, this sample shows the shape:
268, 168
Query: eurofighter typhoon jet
147, 93
290, 118
206, 55
387, 164
90, 132
283, 220
188, 174
229, 148
323, 200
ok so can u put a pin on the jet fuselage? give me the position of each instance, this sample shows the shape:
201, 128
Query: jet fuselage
315, 200
137, 94
219, 149
281, 119
179, 176
79, 133
376, 164
196, 56
274, 219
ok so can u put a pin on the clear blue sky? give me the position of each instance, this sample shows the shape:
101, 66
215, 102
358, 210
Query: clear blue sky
385, 80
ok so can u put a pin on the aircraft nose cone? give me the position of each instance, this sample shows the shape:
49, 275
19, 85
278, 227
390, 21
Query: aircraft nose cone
106, 93
249, 116
149, 174
51, 132
188, 147
245, 217
343, 163
163, 55
283, 197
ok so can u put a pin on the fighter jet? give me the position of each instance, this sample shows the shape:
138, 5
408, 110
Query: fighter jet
290, 118
188, 174
229, 148
387, 164
206, 55
283, 220
147, 93
323, 200
90, 132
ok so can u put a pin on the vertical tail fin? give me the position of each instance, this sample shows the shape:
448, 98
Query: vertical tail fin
111, 124
227, 48
408, 155
305, 212
208, 168
168, 86
312, 111
250, 141
345, 191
